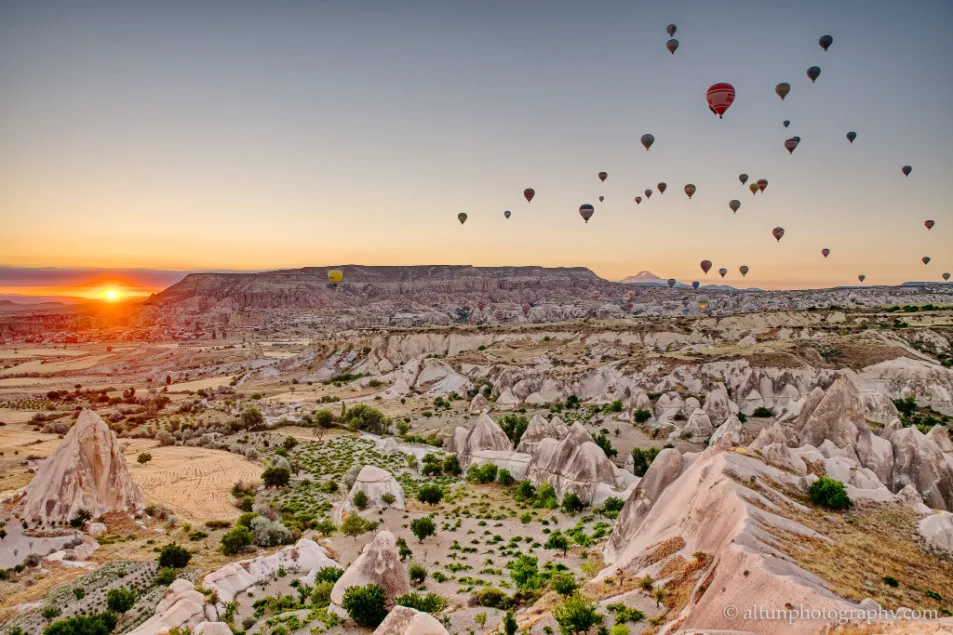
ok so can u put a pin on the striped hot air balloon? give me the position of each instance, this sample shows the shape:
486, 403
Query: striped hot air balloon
706, 265
586, 211
662, 187
744, 270
762, 183
825, 252
720, 97
690, 189
603, 176
778, 233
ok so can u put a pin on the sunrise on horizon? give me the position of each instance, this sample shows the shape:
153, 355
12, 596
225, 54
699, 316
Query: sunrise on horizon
385, 317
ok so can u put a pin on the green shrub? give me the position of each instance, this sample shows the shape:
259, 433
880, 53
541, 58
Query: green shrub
429, 603
642, 459
365, 605
100, 624
558, 542
364, 418
830, 493
891, 581
172, 555
417, 573
423, 527
120, 599
360, 499
485, 473
514, 426
321, 593
641, 416
276, 476
505, 478
762, 412
430, 494
563, 583
611, 507
492, 598
625, 614
451, 465
236, 540
572, 504
576, 614
166, 576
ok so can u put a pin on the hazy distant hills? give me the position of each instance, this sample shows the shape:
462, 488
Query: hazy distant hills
649, 279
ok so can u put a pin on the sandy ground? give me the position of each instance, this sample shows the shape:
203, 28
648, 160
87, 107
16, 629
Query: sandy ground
199, 384
26, 353
194, 483
9, 415
73, 363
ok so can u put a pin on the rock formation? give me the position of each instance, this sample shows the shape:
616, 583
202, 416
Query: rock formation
87, 471
379, 563
181, 606
479, 404
539, 428
484, 434
407, 621
937, 529
698, 429
728, 434
375, 483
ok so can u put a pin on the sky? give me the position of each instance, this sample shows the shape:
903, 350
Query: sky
239, 135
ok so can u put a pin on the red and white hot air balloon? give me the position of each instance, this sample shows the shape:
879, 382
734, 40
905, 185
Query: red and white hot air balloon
481, 304
825, 252
689, 190
706, 265
720, 97
529, 193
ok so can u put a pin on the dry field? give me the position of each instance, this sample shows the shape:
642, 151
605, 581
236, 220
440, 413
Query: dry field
194, 483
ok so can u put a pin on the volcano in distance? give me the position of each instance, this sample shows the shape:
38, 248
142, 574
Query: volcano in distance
648, 279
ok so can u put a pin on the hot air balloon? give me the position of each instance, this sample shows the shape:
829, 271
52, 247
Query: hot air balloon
825, 252
926, 260
586, 211
695, 285
689, 190
778, 233
462, 218
814, 72
702, 301
525, 308
661, 188
638, 200
734, 204
946, 276
672, 46
782, 90
861, 277
335, 276
507, 213
791, 144
671, 283
648, 193
825, 41
602, 198
754, 188
851, 136
706, 265
743, 178
762, 183
670, 29
744, 270
481, 304
720, 97
787, 122
529, 193
928, 224
722, 272
603, 176
647, 141
906, 170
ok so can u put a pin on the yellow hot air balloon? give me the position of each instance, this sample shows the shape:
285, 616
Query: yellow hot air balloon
335, 276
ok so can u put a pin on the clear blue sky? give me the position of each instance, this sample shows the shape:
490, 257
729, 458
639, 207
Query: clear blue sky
249, 135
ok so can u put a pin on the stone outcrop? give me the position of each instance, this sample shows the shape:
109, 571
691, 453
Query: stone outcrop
87, 471
539, 428
728, 434
306, 556
699, 428
181, 606
379, 563
919, 462
407, 621
375, 483
479, 404
937, 529
484, 434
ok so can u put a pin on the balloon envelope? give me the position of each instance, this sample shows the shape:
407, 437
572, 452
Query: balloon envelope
507, 213
647, 141
743, 178
762, 183
814, 72
671, 282
670, 29
723, 272
672, 46
648, 193
790, 145
861, 277
529, 193
744, 270
706, 265
929, 224
602, 198
825, 41
778, 233
695, 285
661, 188
335, 276
734, 205
787, 122
720, 97
851, 136
754, 188
586, 211
603, 176
702, 301
926, 260
689, 190
638, 199
462, 218
782, 90
825, 252
906, 170
946, 276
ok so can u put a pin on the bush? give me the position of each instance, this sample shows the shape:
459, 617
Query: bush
514, 426
364, 418
172, 555
323, 418
576, 615
557, 541
451, 465
144, 458
82, 517
762, 412
276, 476
624, 613
423, 527
403, 550
485, 473
430, 603
641, 416
100, 624
830, 493
505, 478
611, 507
525, 571
268, 533
642, 459
120, 600
360, 500
355, 525
563, 584
603, 441
289, 443
742, 417
252, 419
236, 540
417, 573
166, 576
572, 504
365, 605
891, 581
492, 598
388, 499
321, 593
509, 624
328, 574
430, 494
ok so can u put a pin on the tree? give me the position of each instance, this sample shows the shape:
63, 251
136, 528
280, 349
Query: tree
3, 533
558, 541
423, 527
276, 476
323, 418
252, 419
451, 465
480, 619
100, 624
172, 555
642, 459
355, 525
572, 504
658, 594
412, 462
82, 517
485, 473
514, 426
327, 528
362, 417
429, 603
430, 494
417, 573
120, 599
144, 458
509, 623
576, 615
563, 584
236, 540
360, 499
365, 605
604, 442
388, 499
289, 443
505, 478
830, 493
525, 571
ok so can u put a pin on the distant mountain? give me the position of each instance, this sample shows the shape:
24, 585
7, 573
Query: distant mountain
26, 300
644, 277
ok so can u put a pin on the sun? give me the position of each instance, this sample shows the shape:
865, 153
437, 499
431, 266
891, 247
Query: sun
112, 295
